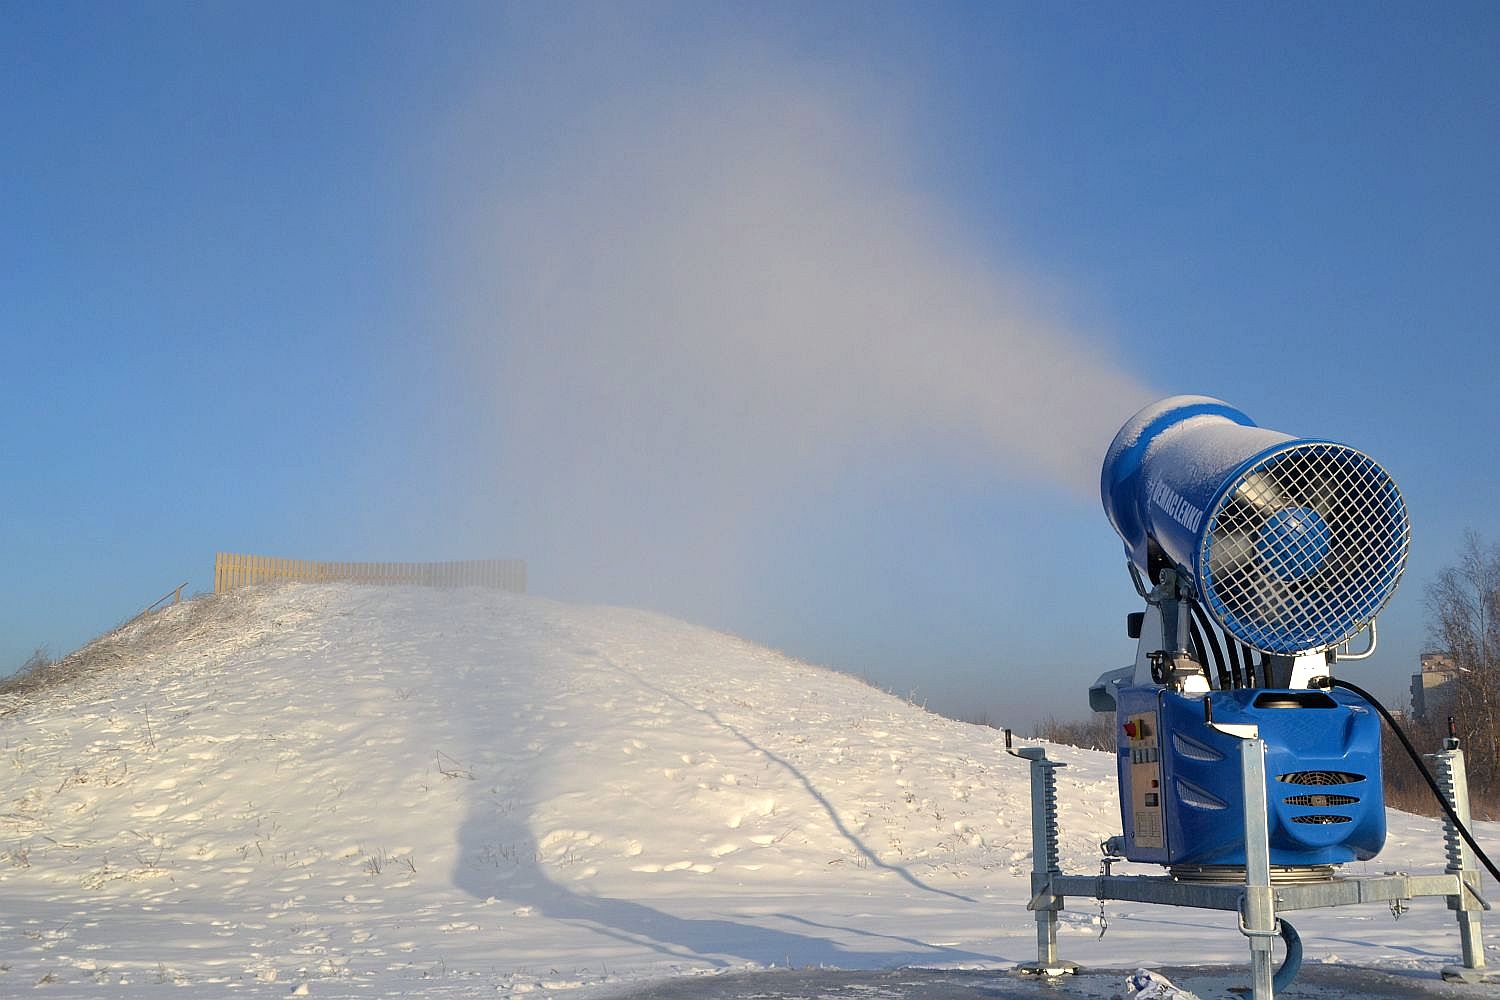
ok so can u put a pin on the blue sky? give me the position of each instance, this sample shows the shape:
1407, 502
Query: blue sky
399, 282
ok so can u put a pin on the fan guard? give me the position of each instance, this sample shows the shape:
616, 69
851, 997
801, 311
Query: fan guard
1304, 549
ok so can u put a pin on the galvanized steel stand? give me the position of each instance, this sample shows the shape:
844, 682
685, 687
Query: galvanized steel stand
1256, 902
1044, 864
1468, 903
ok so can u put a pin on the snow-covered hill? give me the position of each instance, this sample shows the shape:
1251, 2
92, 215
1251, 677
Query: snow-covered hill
352, 792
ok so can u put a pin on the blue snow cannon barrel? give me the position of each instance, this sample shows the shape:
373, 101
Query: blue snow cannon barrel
1292, 544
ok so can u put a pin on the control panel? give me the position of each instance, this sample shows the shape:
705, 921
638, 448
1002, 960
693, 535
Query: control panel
1142, 740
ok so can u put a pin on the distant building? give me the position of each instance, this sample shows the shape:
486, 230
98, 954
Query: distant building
1433, 689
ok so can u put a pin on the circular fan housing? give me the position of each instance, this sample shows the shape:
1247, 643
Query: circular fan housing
1304, 547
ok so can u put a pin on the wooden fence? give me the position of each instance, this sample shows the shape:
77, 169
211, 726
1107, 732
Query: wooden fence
175, 596
234, 570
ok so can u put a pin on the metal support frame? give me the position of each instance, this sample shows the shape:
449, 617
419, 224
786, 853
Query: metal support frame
1258, 905
1467, 903
1257, 901
1045, 864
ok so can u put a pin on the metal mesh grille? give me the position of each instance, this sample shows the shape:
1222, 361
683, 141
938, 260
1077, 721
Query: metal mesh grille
1305, 550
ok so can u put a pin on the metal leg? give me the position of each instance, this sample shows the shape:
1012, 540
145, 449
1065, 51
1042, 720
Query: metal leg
1258, 911
1044, 864
1453, 777
1046, 934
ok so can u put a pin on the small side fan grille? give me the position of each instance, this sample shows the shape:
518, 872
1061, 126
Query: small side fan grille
1305, 550
1321, 820
1320, 778
1321, 801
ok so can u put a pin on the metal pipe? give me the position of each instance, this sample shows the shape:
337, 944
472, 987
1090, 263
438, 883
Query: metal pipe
1369, 651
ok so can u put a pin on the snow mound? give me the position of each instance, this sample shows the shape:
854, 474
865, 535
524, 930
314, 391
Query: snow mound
346, 790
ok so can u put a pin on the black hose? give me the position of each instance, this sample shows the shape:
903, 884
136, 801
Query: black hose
1196, 649
1250, 666
1213, 641
1234, 660
1292, 964
1416, 759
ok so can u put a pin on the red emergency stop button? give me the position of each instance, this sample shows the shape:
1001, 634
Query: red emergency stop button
1130, 729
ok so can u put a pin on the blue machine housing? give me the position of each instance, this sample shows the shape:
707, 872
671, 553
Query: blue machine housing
1181, 792
1292, 544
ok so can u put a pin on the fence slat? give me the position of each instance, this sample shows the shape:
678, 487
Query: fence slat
233, 570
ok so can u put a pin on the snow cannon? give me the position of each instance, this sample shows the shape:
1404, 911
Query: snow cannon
1260, 557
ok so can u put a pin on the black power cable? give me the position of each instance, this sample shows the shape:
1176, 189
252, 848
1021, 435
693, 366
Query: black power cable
1204, 626
1250, 666
1416, 759
1233, 646
1196, 647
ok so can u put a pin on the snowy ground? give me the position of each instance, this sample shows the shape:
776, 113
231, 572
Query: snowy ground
1315, 982
362, 792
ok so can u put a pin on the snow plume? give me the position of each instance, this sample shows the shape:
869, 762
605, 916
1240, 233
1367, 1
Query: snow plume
695, 300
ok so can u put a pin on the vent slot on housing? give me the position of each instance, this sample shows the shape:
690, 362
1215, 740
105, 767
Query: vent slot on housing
1320, 778
1321, 801
1190, 794
1295, 699
1321, 819
1193, 750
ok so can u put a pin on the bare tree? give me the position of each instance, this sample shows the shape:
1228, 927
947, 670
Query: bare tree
1463, 603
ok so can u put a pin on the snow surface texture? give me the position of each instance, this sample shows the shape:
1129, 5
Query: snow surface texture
353, 792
